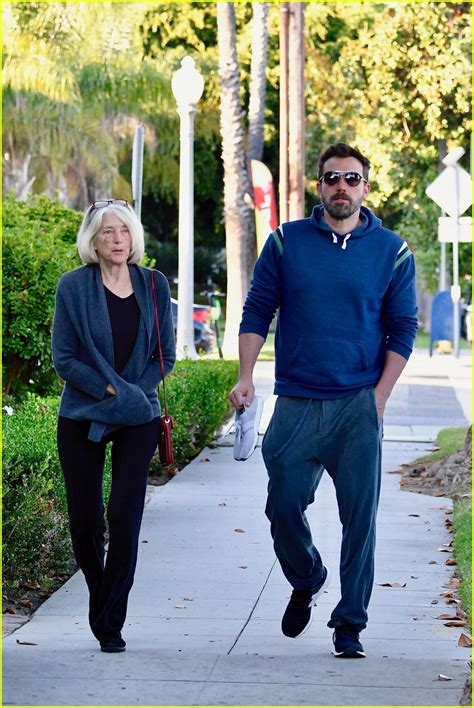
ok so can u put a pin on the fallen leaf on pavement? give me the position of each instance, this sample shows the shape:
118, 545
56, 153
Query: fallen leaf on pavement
188, 599
432, 562
451, 561
455, 623
434, 602
222, 504
29, 644
414, 515
444, 550
392, 585
180, 607
239, 530
26, 603
445, 616
453, 583
433, 449
10, 611
204, 459
464, 641
244, 567
442, 677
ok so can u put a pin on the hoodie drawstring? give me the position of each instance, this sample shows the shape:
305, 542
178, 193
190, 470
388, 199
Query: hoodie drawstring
344, 243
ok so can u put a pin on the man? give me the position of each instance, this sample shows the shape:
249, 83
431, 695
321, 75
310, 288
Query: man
345, 289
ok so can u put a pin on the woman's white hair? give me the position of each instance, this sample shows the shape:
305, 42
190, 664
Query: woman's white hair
92, 222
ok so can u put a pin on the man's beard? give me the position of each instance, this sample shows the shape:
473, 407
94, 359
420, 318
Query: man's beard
343, 209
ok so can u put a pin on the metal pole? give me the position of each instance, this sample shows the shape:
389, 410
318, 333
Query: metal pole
455, 289
283, 186
443, 275
137, 170
185, 348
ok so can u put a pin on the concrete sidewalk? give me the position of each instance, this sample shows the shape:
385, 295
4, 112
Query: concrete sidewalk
203, 626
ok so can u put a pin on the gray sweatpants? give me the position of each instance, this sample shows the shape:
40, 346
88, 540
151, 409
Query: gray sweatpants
343, 436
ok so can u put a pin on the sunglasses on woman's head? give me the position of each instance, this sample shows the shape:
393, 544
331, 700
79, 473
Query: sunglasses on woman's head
332, 178
102, 203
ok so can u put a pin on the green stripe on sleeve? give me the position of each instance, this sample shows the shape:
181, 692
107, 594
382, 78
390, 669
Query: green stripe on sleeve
278, 240
406, 254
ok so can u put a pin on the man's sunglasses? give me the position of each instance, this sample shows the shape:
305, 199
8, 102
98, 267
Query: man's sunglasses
332, 178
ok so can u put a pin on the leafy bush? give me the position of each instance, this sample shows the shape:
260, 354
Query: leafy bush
45, 213
38, 247
35, 533
36, 543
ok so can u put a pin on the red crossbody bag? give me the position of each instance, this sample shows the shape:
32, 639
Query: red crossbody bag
165, 441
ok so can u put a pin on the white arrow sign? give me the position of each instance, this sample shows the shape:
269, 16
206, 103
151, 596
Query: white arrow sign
444, 190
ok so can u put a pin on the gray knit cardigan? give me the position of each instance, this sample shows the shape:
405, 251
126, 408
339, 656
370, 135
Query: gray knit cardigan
83, 352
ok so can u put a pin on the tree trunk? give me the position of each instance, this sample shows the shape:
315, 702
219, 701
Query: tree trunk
236, 180
16, 177
296, 112
256, 112
258, 80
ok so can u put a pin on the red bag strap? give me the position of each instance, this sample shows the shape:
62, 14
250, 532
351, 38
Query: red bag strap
157, 325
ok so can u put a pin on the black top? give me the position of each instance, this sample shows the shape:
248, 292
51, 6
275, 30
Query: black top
124, 316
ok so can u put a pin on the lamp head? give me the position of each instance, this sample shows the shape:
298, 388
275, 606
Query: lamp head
187, 83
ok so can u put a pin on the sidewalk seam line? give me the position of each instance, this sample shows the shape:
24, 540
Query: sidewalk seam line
253, 608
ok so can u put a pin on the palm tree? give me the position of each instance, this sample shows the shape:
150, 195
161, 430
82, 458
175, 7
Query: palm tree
236, 180
75, 84
238, 213
258, 80
256, 110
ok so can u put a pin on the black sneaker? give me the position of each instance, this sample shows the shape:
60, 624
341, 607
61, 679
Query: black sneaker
347, 644
298, 614
112, 644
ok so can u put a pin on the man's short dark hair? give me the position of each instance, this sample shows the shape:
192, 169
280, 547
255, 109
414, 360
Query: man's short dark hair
344, 150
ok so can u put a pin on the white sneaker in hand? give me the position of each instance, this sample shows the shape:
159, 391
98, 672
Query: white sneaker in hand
247, 422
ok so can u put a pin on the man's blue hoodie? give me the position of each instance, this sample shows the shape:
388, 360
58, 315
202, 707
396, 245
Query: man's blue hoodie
343, 300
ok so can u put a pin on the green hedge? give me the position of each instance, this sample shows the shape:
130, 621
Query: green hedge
35, 540
38, 247
197, 400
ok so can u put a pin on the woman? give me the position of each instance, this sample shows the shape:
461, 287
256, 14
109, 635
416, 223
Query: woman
105, 347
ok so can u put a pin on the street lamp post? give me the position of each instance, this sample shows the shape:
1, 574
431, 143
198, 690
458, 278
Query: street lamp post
187, 85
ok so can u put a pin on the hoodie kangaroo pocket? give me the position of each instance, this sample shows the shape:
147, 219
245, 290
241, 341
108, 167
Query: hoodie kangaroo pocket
321, 362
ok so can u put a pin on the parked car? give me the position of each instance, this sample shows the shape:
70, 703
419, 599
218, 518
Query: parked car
204, 337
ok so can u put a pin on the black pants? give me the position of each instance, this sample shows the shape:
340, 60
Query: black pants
82, 462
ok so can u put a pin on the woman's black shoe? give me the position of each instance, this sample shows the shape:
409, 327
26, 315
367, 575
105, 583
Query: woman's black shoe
112, 645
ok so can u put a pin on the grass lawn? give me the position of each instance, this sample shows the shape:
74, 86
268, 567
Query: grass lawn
462, 526
422, 342
449, 440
